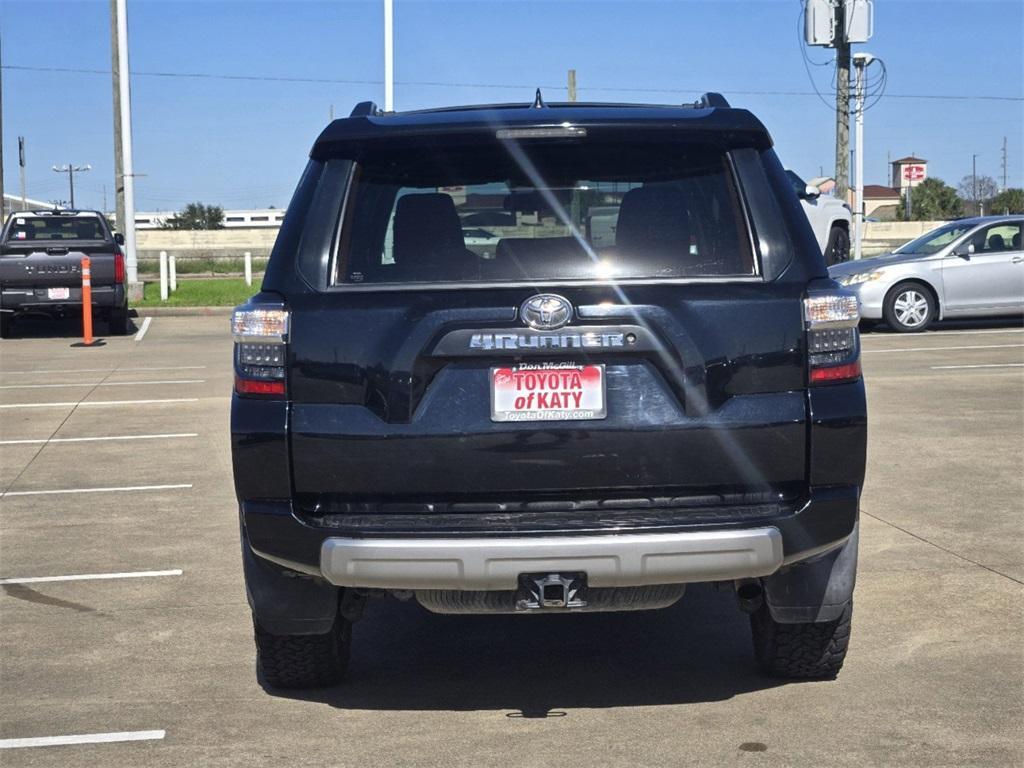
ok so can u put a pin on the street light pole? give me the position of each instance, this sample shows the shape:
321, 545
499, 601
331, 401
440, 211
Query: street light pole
389, 56
71, 170
860, 61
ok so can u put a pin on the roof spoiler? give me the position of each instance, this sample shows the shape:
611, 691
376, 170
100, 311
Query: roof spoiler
712, 99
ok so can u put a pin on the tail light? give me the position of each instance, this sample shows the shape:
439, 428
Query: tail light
118, 266
261, 350
833, 341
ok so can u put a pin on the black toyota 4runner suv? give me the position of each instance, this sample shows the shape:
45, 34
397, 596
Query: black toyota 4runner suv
648, 381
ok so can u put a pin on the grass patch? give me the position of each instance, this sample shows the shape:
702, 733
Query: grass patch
224, 292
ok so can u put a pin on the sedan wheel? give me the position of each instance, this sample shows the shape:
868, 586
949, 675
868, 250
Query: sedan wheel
909, 308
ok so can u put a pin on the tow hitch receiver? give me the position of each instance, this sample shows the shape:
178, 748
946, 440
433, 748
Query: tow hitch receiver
539, 591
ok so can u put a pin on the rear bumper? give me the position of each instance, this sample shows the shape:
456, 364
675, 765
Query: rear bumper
634, 560
35, 299
479, 560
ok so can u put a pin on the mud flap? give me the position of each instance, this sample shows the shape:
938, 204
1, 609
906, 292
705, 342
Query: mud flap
815, 591
285, 603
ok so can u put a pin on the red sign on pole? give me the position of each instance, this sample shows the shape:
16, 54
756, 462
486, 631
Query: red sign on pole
913, 172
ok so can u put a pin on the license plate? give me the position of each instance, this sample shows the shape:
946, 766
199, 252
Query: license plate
548, 392
58, 293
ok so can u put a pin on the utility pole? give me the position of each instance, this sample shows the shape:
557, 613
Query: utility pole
127, 226
842, 103
71, 170
572, 85
21, 171
1004, 164
974, 185
118, 160
389, 56
3, 200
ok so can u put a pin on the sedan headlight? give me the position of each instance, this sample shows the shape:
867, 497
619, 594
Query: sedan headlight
861, 277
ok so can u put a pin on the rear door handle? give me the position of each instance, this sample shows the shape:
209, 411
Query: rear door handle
1017, 259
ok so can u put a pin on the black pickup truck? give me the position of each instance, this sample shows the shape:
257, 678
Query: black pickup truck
650, 381
40, 267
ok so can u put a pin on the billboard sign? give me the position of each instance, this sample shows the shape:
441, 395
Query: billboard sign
913, 173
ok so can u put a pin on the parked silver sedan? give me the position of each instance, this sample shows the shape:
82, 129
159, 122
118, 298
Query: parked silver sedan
967, 268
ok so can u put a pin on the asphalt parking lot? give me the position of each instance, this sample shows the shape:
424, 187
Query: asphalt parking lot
115, 460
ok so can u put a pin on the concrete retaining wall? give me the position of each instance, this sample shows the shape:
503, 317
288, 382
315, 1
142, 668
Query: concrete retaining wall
879, 236
882, 236
205, 244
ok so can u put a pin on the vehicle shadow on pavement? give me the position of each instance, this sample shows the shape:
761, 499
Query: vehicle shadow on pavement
39, 327
405, 658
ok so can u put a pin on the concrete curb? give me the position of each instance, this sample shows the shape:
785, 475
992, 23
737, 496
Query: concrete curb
182, 311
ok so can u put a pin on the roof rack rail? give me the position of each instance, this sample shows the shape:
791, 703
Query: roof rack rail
365, 109
713, 99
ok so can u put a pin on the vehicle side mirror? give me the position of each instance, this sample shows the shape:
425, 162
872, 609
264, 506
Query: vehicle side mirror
811, 192
119, 238
965, 251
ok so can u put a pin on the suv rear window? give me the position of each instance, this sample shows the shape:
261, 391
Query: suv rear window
542, 211
55, 228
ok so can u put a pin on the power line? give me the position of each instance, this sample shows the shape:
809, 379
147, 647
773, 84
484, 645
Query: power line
498, 86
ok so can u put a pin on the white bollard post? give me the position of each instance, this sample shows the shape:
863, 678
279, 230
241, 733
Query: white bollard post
173, 269
163, 275
248, 268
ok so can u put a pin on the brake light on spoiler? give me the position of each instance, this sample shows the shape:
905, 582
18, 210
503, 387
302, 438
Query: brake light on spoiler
833, 341
261, 350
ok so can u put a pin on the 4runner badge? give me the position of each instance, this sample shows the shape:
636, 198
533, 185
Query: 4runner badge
546, 312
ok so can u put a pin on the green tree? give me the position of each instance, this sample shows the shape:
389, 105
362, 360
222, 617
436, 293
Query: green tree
931, 200
1008, 201
197, 216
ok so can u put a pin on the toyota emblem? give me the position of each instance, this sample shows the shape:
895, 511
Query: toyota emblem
546, 312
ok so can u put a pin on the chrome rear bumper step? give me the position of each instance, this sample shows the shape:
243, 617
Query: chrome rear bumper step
493, 563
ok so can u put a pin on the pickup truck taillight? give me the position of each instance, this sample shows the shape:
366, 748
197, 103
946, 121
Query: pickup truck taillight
261, 339
833, 341
118, 267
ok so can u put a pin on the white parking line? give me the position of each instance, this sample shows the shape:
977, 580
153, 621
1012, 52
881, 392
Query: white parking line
938, 333
86, 738
941, 349
98, 439
95, 403
985, 365
145, 327
107, 370
93, 576
115, 489
103, 384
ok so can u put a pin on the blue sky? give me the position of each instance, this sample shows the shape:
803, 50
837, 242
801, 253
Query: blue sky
242, 143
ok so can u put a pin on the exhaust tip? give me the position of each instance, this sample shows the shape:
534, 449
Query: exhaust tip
749, 596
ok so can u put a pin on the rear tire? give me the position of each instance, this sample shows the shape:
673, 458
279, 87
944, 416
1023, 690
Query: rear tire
304, 661
837, 250
5, 324
117, 322
909, 308
801, 651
